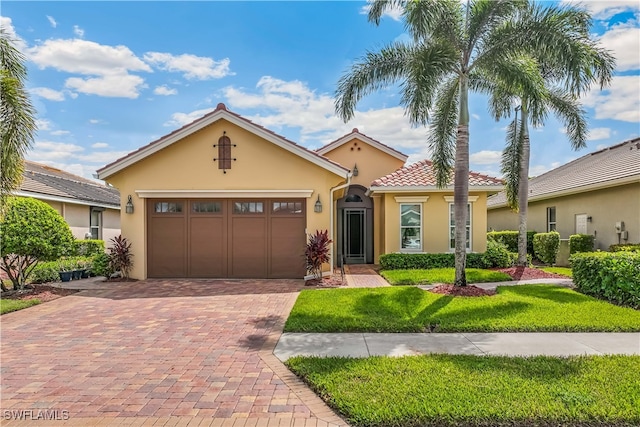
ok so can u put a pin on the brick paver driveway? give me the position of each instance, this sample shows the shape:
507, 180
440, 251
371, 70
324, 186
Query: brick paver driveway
157, 353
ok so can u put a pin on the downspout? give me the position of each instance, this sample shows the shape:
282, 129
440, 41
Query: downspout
331, 214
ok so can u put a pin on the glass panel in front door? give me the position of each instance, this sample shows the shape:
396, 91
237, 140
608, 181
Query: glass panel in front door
354, 245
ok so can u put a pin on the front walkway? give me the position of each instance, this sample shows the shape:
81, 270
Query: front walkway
155, 352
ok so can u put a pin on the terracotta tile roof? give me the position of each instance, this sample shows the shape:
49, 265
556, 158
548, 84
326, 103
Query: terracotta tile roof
599, 169
355, 133
49, 181
220, 107
421, 174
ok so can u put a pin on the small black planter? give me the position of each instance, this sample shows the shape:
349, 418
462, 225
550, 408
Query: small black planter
85, 274
65, 276
77, 274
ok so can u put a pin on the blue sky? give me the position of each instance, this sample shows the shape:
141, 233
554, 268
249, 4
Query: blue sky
109, 77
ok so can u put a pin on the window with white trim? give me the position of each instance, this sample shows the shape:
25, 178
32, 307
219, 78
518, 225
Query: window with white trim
95, 223
452, 227
551, 219
411, 227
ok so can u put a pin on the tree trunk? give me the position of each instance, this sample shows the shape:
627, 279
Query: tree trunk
523, 189
461, 185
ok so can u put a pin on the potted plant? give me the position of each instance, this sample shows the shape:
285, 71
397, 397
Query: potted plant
66, 272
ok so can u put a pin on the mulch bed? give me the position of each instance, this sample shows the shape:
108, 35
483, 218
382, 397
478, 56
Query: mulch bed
461, 291
326, 282
42, 292
527, 273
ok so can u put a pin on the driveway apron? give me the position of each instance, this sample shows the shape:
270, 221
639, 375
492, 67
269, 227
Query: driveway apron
157, 349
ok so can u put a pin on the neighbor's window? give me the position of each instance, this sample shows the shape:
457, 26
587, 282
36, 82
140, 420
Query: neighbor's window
551, 219
452, 227
411, 226
96, 223
168, 207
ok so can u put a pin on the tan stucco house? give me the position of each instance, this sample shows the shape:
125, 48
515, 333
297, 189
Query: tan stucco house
596, 194
225, 197
91, 209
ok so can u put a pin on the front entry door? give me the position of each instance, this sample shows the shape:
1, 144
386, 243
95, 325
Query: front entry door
354, 236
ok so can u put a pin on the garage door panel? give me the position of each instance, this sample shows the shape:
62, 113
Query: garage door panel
287, 246
248, 247
207, 247
167, 247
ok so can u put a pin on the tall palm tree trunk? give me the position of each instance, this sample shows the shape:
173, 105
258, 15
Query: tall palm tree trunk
523, 188
461, 184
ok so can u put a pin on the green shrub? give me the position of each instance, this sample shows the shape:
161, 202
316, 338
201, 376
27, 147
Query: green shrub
45, 272
626, 247
581, 243
31, 231
422, 261
88, 247
498, 255
614, 276
510, 239
101, 265
546, 246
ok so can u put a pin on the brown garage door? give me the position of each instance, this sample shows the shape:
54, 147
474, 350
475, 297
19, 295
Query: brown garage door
249, 238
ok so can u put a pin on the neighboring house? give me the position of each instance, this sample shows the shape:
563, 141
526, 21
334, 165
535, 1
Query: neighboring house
225, 197
597, 194
92, 210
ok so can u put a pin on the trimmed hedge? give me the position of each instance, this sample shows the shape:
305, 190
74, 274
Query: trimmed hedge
581, 243
510, 239
498, 255
48, 271
626, 247
422, 261
546, 246
88, 247
614, 276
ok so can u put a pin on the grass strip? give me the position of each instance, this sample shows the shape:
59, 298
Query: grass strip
457, 390
441, 275
524, 308
9, 305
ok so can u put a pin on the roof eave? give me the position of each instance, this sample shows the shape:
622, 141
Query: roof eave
52, 198
431, 189
113, 168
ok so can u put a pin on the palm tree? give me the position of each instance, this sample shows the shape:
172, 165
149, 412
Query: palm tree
563, 83
455, 49
17, 123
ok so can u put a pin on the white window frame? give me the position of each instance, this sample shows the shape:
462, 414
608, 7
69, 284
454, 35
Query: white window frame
97, 227
451, 222
549, 222
413, 201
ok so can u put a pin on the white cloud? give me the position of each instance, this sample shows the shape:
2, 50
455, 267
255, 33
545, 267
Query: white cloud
99, 145
282, 104
50, 150
193, 67
96, 121
52, 21
394, 13
599, 133
181, 119
621, 101
60, 132
86, 57
7, 25
537, 170
486, 157
605, 9
475, 116
165, 90
114, 86
101, 157
78, 31
43, 124
46, 93
624, 42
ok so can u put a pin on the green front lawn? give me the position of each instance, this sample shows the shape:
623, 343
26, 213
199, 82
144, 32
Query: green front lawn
455, 390
530, 308
441, 275
9, 305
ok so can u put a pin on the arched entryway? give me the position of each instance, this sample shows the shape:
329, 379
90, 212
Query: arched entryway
355, 227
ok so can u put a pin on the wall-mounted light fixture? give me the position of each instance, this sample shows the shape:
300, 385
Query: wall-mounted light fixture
129, 206
355, 170
589, 218
318, 206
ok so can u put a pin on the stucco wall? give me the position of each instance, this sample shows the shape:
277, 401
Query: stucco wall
188, 165
372, 163
110, 225
605, 207
435, 221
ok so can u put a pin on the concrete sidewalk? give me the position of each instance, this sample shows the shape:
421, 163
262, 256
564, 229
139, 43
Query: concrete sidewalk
510, 344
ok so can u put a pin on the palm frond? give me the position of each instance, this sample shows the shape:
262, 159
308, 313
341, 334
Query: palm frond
434, 19
377, 8
442, 132
511, 162
571, 114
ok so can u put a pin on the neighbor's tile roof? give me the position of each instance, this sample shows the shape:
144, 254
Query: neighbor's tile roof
421, 174
594, 170
49, 181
